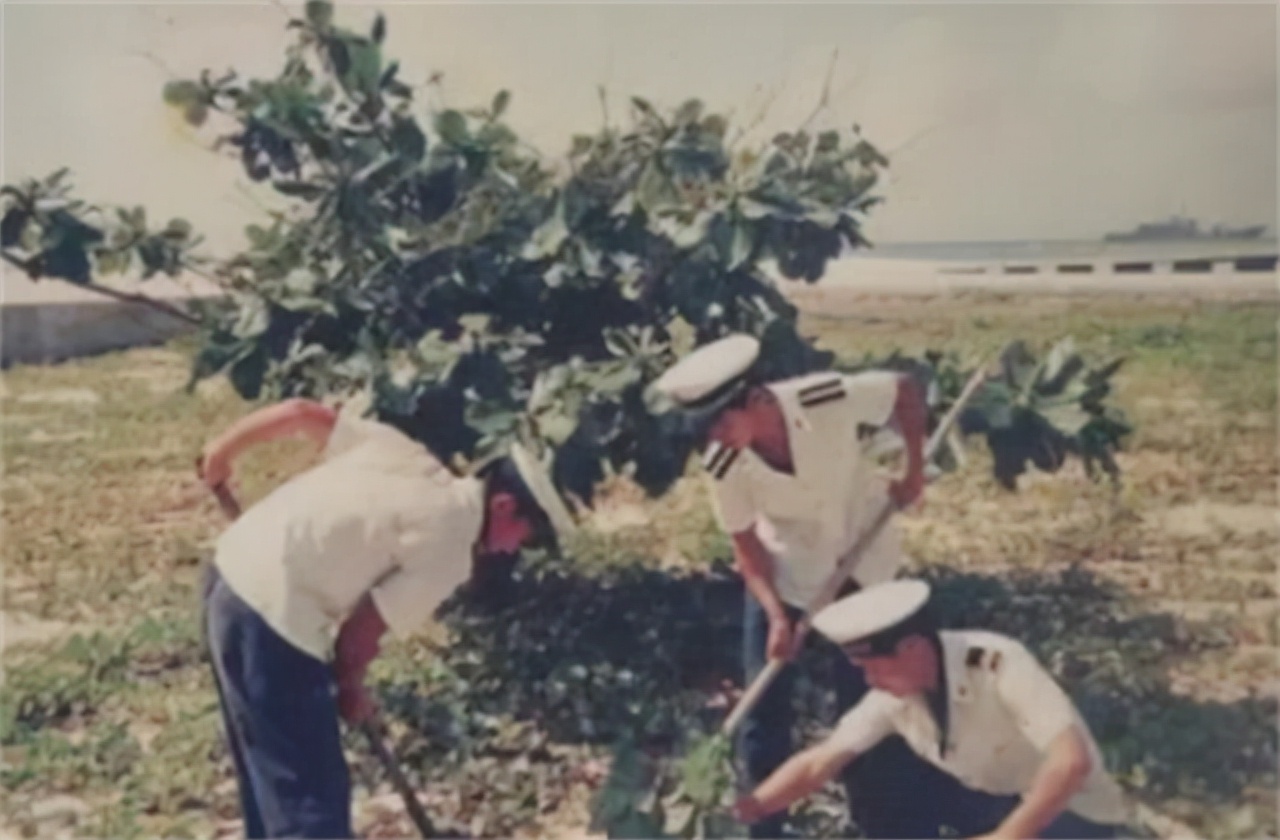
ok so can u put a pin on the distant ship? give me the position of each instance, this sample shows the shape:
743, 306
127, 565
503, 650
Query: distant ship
1177, 228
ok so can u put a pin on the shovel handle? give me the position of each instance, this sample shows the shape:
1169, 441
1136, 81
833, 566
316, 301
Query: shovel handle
373, 734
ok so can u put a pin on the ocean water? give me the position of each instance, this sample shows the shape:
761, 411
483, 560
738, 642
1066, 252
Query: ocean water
1040, 251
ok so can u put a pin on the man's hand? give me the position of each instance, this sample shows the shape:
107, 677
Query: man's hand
747, 809
1066, 766
780, 644
358, 642
355, 703
214, 466
910, 416
907, 490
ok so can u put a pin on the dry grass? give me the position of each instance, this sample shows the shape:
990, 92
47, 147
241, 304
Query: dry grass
104, 527
1195, 525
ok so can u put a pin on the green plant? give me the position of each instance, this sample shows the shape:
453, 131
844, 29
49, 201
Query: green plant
1039, 411
475, 291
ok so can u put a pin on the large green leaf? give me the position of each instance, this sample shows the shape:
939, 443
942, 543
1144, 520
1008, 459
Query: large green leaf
195, 113
452, 127
408, 138
1068, 418
182, 93
689, 113
557, 427
707, 775
12, 226
654, 191
67, 260
1061, 376
500, 102
300, 189
218, 351
319, 13
247, 373
548, 238
1018, 365
645, 107
365, 71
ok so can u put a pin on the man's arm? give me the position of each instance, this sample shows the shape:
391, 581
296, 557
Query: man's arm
1046, 716
293, 416
857, 733
402, 600
756, 567
1066, 767
359, 640
802, 775
909, 418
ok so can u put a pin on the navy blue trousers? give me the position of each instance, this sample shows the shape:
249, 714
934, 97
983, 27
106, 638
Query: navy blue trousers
281, 720
969, 813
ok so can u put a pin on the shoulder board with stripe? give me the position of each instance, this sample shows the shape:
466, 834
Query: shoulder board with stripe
718, 459
709, 456
821, 392
867, 430
983, 658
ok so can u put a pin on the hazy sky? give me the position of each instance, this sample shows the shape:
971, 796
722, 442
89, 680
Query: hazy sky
1002, 121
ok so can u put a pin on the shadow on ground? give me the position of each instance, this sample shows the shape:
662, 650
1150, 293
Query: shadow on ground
550, 666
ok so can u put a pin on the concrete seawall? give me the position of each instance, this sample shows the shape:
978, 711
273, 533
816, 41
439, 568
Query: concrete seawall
50, 320
35, 333
1138, 267
911, 277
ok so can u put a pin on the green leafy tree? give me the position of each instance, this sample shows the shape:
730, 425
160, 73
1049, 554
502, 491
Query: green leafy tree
477, 292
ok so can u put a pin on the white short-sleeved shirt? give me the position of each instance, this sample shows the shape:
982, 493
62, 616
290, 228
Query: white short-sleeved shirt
809, 519
379, 515
1004, 711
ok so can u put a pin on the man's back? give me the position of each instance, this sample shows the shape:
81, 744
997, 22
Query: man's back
304, 555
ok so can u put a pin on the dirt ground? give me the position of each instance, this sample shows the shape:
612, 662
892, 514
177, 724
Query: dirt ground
104, 524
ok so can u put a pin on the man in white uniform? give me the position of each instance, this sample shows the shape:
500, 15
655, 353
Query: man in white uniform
305, 584
975, 704
793, 486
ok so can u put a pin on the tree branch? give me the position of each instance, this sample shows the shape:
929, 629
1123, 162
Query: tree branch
125, 297
755, 123
604, 105
824, 99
